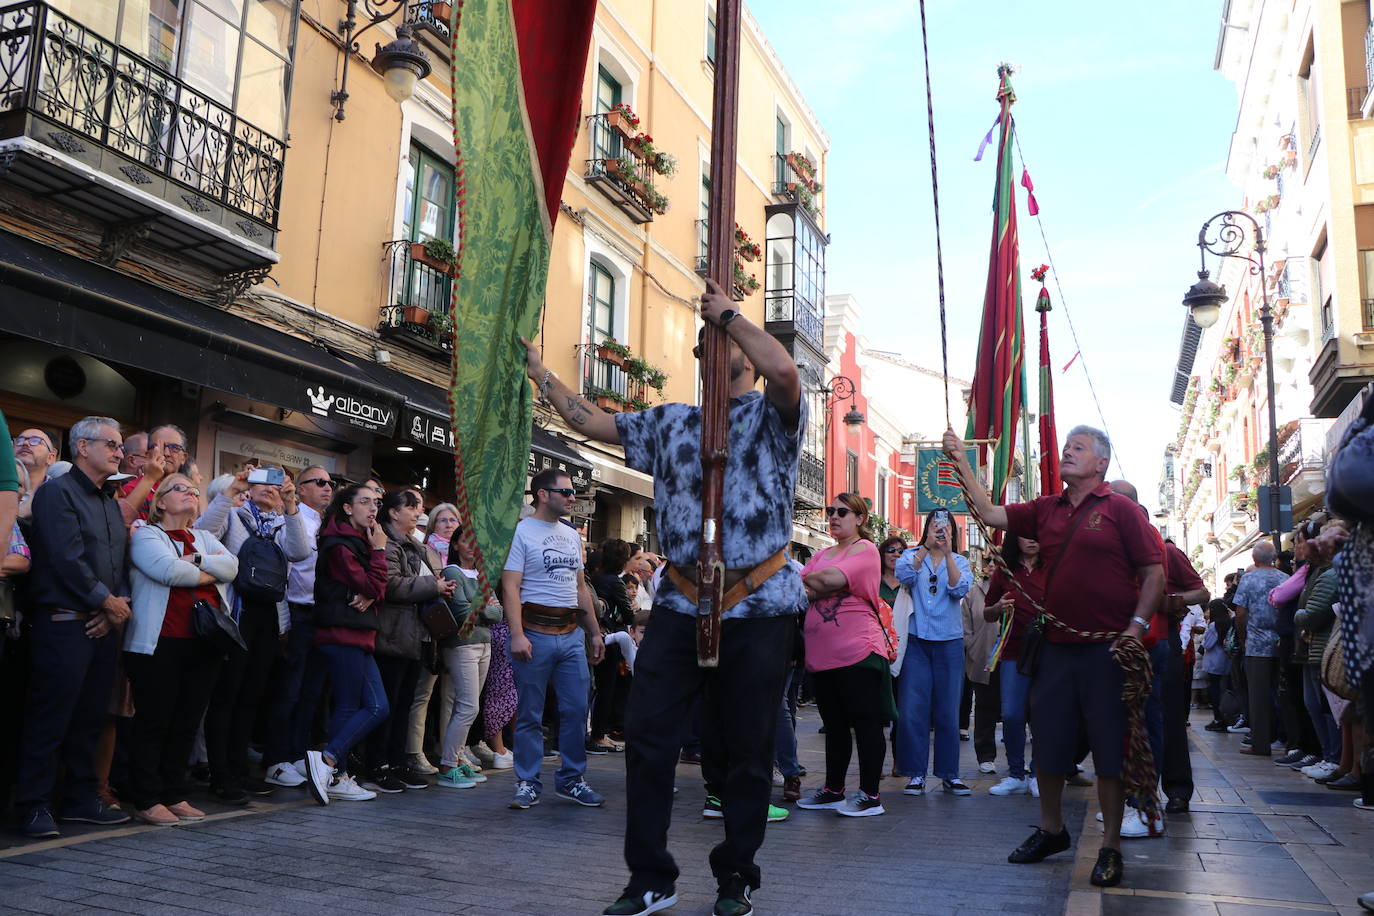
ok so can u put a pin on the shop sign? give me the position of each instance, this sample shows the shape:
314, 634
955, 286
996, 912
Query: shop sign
233, 450
937, 485
373, 416
426, 430
581, 479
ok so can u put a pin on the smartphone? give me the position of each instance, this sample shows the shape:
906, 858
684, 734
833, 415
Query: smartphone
274, 477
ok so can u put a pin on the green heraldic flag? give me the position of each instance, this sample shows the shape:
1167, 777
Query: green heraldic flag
517, 77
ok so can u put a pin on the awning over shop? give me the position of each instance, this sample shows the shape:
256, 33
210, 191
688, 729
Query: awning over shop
74, 303
611, 473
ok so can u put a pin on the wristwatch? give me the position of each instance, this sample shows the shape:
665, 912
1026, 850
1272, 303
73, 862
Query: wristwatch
727, 316
1144, 624
195, 559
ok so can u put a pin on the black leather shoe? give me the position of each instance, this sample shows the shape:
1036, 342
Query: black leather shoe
1042, 843
1177, 805
1107, 871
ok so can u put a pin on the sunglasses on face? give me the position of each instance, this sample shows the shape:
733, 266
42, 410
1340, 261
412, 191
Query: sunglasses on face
182, 488
841, 511
565, 492
319, 482
30, 441
892, 550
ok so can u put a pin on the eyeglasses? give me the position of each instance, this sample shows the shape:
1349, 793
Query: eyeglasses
111, 444
841, 511
565, 492
173, 447
30, 441
364, 501
893, 549
182, 488
319, 482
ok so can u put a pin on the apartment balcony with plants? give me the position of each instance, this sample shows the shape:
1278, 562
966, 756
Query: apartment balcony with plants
417, 312
163, 122
625, 165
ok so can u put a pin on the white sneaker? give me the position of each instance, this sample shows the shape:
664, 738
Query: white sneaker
345, 788
283, 774
987, 768
302, 767
420, 764
319, 776
1133, 826
1320, 770
504, 761
481, 753
1010, 785
777, 778
1034, 787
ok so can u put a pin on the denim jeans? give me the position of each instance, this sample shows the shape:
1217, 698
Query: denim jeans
785, 738
359, 699
562, 661
928, 692
1015, 690
1328, 732
286, 739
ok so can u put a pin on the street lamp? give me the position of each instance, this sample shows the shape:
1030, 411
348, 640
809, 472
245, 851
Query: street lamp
1225, 239
400, 62
842, 389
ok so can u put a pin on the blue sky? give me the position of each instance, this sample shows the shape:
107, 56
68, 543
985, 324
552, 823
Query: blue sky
1125, 128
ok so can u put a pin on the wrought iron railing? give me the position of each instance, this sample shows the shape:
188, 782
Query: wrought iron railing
1367, 312
1354, 101
420, 295
784, 306
613, 166
606, 378
1292, 282
421, 13
703, 261
1301, 448
1313, 143
54, 68
1369, 54
811, 479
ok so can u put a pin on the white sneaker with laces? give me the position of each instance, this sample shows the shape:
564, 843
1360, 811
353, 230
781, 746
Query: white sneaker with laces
1319, 770
987, 768
504, 761
1133, 826
345, 788
481, 753
420, 764
302, 768
1010, 785
284, 774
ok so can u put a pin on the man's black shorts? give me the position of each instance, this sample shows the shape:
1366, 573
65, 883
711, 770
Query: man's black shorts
1075, 701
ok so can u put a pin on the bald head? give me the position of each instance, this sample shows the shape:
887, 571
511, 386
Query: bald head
1125, 488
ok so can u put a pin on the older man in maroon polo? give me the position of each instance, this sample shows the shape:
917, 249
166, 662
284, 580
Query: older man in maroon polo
1105, 574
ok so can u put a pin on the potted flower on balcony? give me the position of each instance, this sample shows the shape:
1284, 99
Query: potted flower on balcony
665, 164
612, 351
437, 253
417, 315
441, 324
657, 201
750, 251
441, 10
622, 117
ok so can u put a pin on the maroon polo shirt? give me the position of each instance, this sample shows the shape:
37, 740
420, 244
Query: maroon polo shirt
1094, 586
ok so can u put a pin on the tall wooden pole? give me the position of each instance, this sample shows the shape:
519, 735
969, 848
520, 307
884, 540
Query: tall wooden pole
715, 353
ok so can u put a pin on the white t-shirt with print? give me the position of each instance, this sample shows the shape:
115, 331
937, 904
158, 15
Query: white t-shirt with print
549, 557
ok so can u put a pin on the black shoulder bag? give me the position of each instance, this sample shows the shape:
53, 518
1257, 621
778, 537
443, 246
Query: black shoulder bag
1033, 643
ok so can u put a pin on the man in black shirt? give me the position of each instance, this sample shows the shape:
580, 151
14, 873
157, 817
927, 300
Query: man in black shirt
79, 588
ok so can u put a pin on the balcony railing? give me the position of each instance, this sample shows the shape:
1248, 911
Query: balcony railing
1369, 54
810, 480
806, 320
1354, 102
421, 13
608, 383
417, 308
1313, 143
789, 185
617, 173
703, 261
54, 69
1367, 312
1302, 447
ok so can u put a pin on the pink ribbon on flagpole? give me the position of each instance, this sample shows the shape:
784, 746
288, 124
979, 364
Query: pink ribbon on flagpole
1032, 207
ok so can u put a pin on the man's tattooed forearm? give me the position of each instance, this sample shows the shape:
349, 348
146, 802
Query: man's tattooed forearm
579, 411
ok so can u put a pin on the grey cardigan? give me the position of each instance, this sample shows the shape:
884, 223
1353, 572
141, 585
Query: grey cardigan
231, 525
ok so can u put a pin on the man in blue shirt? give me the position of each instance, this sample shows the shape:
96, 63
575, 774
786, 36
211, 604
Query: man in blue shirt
741, 697
1257, 621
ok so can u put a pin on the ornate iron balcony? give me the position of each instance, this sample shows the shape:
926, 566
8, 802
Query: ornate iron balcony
62, 84
421, 13
417, 311
810, 480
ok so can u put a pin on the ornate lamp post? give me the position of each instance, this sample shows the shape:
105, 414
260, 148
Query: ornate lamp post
842, 389
1226, 239
401, 62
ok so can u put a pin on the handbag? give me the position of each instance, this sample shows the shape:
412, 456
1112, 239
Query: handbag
884, 614
1332, 669
438, 619
215, 627
1033, 643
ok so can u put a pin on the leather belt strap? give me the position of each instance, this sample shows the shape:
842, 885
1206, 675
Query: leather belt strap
62, 615
542, 618
739, 583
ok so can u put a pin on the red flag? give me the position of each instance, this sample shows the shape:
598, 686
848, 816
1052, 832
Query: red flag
999, 379
1050, 484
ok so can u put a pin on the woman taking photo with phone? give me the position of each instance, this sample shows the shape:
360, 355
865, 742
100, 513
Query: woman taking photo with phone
932, 678
846, 653
350, 585
174, 568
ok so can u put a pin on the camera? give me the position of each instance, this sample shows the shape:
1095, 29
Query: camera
274, 477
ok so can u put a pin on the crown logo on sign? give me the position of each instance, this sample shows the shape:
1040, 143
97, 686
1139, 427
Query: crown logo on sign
320, 402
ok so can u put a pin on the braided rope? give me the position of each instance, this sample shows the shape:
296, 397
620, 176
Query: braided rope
1138, 775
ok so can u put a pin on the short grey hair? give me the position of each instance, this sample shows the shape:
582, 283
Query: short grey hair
172, 426
1102, 446
88, 428
218, 486
434, 516
1264, 553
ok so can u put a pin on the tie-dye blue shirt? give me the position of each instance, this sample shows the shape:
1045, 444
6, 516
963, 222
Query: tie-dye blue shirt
760, 479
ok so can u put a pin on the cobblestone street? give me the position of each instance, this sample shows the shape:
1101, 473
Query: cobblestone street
1259, 839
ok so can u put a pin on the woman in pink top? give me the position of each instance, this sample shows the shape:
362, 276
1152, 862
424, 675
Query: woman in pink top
846, 652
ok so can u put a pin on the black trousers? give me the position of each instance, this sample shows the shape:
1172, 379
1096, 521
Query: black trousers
608, 686
240, 688
1298, 730
849, 700
171, 691
69, 702
386, 744
984, 703
739, 710
1177, 777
